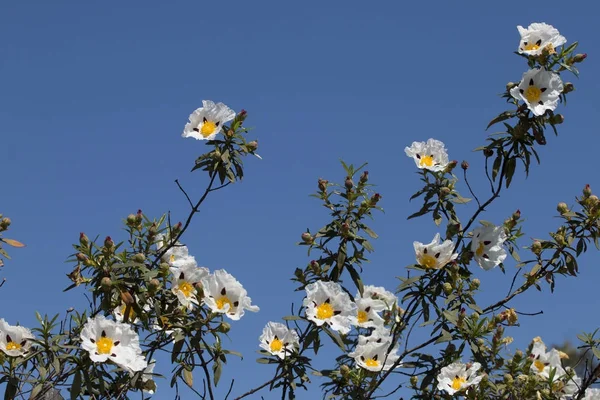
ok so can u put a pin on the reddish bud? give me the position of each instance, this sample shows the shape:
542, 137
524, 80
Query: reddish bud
83, 239
579, 57
587, 191
364, 177
464, 165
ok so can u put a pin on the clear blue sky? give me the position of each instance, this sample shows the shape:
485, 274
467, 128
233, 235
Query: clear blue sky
94, 96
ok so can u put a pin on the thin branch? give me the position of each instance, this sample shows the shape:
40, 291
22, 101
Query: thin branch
185, 193
248, 393
470, 189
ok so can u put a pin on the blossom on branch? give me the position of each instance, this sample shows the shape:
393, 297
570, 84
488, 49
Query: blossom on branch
327, 303
539, 89
538, 37
380, 293
429, 155
435, 255
487, 246
458, 376
207, 121
115, 341
224, 294
278, 340
184, 279
15, 341
544, 362
373, 356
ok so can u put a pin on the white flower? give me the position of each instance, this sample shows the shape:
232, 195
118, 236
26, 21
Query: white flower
207, 121
456, 377
566, 386
224, 294
378, 335
366, 315
115, 341
184, 278
278, 340
431, 155
544, 362
487, 246
592, 394
15, 341
326, 302
435, 255
148, 384
176, 255
373, 356
539, 89
539, 36
379, 293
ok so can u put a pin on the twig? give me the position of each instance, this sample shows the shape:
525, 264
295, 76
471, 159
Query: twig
248, 393
469, 186
185, 193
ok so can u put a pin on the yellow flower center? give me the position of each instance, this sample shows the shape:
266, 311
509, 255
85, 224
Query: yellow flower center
428, 261
208, 128
532, 94
458, 382
130, 315
172, 258
186, 288
550, 48
480, 249
104, 345
222, 301
362, 316
426, 161
369, 362
276, 345
324, 311
531, 46
13, 346
539, 365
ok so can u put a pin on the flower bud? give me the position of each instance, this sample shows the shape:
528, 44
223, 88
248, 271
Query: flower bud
175, 229
139, 258
307, 238
516, 215
153, 285
315, 267
451, 165
579, 57
562, 208
139, 215
568, 87
587, 191
364, 177
126, 297
5, 223
131, 219
164, 268
108, 242
323, 184
592, 201
414, 380
464, 165
224, 327
508, 379
475, 284
348, 183
106, 283
230, 133
253, 145
511, 85
375, 198
447, 288
81, 257
445, 191
152, 231
488, 152
536, 247
557, 119
344, 371
83, 239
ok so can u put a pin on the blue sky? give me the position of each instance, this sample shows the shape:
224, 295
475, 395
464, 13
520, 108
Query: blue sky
94, 96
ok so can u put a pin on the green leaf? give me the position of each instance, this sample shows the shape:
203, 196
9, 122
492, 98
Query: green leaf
264, 360
511, 164
370, 232
355, 278
11, 389
188, 377
336, 339
217, 369
291, 318
75, 386
502, 117
176, 350
596, 352
445, 337
496, 166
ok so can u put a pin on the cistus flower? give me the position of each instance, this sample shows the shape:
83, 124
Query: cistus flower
207, 121
327, 303
544, 362
278, 340
539, 89
435, 255
373, 356
380, 293
107, 340
224, 294
538, 37
456, 377
367, 312
184, 278
176, 255
429, 155
487, 246
15, 341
